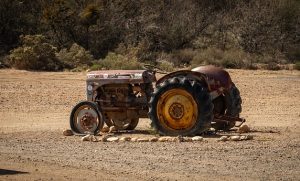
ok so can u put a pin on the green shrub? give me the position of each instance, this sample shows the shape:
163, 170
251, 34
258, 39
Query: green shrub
35, 53
115, 61
273, 66
182, 57
229, 59
75, 57
166, 66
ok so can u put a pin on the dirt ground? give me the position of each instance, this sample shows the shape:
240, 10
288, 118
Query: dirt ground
35, 108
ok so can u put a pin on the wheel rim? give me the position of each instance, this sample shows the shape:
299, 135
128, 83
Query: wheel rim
177, 110
86, 119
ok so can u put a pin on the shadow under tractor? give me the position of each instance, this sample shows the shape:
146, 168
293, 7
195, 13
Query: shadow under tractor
185, 102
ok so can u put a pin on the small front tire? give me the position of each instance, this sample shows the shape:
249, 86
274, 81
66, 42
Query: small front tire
86, 118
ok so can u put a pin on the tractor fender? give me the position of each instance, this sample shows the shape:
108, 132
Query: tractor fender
218, 78
200, 77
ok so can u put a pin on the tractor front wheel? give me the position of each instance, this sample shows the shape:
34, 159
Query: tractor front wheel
86, 118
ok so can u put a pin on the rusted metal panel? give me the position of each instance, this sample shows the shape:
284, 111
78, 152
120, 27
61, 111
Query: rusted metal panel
97, 79
121, 76
217, 77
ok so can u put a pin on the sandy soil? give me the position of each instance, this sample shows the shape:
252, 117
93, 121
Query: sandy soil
35, 107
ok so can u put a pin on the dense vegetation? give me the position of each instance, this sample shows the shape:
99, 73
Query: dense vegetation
104, 34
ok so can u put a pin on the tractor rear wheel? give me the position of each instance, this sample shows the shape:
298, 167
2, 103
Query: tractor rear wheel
181, 107
229, 104
86, 118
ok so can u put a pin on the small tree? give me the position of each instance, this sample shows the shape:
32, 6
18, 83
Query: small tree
75, 57
89, 17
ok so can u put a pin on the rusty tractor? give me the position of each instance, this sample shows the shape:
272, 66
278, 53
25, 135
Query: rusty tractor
185, 102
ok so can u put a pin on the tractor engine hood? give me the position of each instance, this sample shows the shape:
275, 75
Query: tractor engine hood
122, 76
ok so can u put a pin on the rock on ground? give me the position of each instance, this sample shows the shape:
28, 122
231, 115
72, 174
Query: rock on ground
142, 140
123, 139
153, 139
134, 139
112, 139
197, 138
235, 138
223, 138
89, 138
68, 132
243, 129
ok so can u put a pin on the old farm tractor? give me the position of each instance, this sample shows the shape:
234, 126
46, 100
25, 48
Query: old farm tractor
186, 102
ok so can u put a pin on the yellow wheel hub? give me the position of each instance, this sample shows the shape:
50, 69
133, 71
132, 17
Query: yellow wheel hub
177, 109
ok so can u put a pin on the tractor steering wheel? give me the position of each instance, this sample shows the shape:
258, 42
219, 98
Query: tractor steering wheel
154, 69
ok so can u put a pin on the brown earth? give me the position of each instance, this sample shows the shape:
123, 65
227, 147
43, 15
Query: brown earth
35, 107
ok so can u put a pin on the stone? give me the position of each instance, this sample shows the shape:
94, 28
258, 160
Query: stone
173, 139
164, 138
68, 132
153, 139
249, 137
197, 138
243, 137
187, 139
104, 138
105, 129
86, 137
112, 139
134, 139
223, 138
235, 138
123, 139
89, 137
243, 129
112, 129
142, 140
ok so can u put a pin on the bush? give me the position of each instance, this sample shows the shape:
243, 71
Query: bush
116, 61
229, 59
75, 57
182, 57
166, 66
35, 53
273, 66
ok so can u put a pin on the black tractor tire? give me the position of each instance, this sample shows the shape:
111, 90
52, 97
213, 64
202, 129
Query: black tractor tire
133, 124
229, 104
90, 105
200, 96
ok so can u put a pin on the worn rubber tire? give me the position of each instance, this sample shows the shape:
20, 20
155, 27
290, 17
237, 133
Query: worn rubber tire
232, 107
133, 124
200, 96
93, 106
